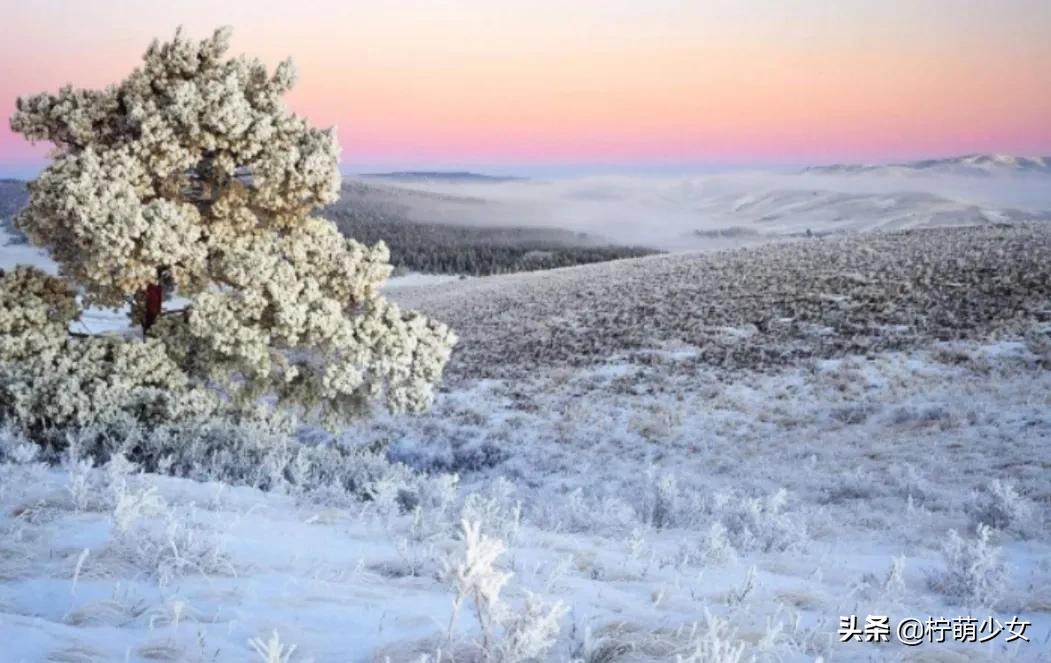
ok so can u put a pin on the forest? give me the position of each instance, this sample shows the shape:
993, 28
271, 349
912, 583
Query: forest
439, 248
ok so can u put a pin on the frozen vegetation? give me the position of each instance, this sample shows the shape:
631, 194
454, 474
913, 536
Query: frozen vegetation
697, 457
754, 309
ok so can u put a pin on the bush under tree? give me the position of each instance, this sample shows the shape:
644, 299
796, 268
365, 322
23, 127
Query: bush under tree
191, 178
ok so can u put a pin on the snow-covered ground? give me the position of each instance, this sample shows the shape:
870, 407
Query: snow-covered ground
644, 501
416, 280
681, 499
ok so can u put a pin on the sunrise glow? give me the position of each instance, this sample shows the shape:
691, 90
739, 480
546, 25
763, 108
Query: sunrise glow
529, 85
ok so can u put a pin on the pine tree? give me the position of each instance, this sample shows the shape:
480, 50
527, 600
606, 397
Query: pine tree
191, 176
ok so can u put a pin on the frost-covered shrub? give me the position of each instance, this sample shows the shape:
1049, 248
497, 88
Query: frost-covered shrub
81, 488
161, 540
250, 454
132, 505
890, 587
974, 572
715, 644
272, 650
190, 175
665, 498
450, 446
913, 416
15, 449
999, 505
758, 523
529, 634
716, 546
738, 596
714, 641
1038, 343
474, 578
497, 507
507, 636
853, 414
656, 424
164, 541
661, 502
580, 511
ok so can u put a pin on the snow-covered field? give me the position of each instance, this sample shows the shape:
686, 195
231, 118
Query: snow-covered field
699, 457
416, 280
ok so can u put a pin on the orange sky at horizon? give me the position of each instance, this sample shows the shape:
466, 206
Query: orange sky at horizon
523, 85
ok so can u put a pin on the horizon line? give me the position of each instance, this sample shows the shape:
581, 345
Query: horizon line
24, 172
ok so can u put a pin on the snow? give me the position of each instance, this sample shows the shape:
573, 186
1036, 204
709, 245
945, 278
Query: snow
21, 253
879, 458
418, 279
971, 165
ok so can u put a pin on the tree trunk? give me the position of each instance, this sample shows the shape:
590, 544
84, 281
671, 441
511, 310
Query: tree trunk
152, 300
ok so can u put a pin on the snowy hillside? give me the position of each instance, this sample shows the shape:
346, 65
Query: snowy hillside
721, 210
752, 309
701, 457
13, 196
795, 211
971, 165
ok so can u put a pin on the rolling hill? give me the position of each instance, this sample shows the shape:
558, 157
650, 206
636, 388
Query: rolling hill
971, 165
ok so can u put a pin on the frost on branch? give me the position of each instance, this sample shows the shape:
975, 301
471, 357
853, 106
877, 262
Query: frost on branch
49, 379
191, 174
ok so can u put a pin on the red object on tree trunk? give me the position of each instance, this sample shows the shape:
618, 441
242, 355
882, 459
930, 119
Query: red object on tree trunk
154, 297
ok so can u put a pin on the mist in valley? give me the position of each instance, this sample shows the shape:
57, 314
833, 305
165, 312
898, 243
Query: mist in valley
692, 212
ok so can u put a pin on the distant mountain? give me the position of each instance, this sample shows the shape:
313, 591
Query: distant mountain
441, 176
796, 211
13, 197
971, 165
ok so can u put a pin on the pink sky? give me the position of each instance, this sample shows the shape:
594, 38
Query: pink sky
521, 86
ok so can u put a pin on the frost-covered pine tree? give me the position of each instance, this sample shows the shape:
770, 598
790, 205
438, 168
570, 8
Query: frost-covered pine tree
191, 176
